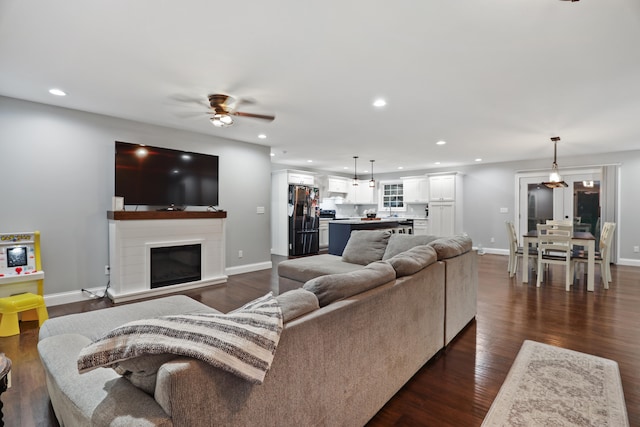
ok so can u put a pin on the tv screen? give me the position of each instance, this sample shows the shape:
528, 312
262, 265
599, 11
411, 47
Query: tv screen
163, 177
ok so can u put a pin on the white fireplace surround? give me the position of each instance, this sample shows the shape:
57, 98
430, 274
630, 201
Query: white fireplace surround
130, 244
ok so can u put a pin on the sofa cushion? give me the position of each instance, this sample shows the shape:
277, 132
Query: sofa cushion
243, 342
333, 287
401, 242
297, 302
306, 268
365, 246
413, 260
449, 247
142, 371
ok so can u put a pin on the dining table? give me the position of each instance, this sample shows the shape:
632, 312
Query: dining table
578, 238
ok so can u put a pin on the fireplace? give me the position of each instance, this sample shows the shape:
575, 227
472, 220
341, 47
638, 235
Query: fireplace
186, 244
171, 265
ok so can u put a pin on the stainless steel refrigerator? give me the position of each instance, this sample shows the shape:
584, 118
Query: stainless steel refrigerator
304, 220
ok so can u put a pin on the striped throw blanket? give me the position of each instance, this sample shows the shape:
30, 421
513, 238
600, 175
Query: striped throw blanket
242, 342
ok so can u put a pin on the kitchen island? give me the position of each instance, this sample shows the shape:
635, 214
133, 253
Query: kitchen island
340, 230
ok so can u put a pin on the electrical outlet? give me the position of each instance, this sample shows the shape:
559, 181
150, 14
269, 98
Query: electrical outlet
240, 253
636, 249
107, 270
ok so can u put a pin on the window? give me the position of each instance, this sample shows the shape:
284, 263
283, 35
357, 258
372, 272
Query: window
392, 196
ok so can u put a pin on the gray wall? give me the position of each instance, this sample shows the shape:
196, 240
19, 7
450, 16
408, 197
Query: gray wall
57, 176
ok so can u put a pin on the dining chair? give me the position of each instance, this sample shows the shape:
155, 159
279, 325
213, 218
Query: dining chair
554, 247
602, 256
516, 251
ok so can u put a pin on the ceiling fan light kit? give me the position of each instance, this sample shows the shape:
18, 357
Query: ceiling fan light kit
555, 180
221, 120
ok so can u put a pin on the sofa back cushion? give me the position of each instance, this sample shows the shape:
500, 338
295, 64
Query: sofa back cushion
450, 247
297, 302
413, 260
401, 242
333, 287
365, 246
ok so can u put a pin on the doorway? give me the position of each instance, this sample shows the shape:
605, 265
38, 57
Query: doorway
579, 202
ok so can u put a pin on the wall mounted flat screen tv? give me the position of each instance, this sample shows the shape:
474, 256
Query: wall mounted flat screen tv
163, 177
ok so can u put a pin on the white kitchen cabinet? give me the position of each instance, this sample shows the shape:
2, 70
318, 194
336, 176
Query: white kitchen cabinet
442, 219
360, 194
421, 227
324, 234
416, 189
300, 178
365, 195
442, 188
338, 185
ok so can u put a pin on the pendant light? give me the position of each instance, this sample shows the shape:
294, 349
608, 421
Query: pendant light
555, 180
355, 171
372, 182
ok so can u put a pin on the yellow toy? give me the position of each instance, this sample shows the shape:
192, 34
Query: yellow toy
20, 272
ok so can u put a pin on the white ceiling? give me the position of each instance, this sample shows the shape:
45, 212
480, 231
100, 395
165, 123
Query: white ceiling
494, 78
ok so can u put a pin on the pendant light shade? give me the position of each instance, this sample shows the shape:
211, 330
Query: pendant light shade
555, 180
355, 171
372, 182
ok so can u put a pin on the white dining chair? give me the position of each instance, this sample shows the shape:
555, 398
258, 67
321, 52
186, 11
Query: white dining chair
602, 256
516, 251
554, 247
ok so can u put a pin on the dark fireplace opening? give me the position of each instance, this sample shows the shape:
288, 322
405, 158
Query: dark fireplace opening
171, 265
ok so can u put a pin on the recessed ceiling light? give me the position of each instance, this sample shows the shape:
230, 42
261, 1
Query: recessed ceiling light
437, 163
379, 102
309, 161
273, 154
262, 136
441, 142
57, 92
346, 167
478, 160
400, 167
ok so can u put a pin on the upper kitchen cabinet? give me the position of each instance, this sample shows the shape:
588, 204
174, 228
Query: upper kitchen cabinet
443, 188
300, 178
337, 184
360, 194
416, 189
365, 195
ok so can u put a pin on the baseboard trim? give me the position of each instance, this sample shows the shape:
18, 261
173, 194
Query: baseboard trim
628, 261
248, 268
76, 296
493, 251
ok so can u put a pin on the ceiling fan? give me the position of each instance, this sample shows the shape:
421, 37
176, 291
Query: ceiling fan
224, 107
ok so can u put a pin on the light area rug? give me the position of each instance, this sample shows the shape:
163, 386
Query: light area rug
553, 386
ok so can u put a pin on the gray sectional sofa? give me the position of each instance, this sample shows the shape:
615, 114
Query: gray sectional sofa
350, 339
364, 247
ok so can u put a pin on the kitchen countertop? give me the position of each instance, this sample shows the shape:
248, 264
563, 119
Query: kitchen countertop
365, 221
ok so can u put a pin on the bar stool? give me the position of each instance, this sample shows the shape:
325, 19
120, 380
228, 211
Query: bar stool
12, 305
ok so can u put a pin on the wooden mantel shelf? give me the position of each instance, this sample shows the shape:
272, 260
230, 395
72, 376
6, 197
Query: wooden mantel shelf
138, 215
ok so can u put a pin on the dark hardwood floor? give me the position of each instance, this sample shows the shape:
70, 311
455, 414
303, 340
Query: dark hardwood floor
455, 388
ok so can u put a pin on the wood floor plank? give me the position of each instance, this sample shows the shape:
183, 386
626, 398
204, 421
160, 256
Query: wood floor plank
455, 388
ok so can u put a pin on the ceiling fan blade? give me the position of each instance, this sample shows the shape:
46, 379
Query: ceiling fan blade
255, 116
